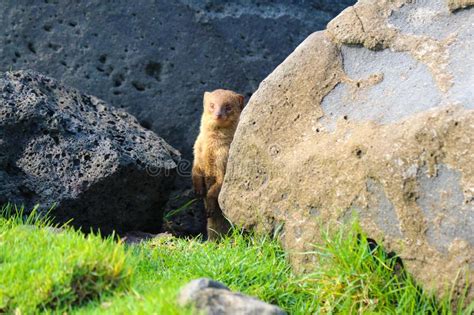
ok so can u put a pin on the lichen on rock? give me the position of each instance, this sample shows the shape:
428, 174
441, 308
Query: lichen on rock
459, 4
366, 24
369, 117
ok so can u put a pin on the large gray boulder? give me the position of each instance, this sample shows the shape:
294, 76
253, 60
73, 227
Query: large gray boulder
156, 58
373, 116
97, 165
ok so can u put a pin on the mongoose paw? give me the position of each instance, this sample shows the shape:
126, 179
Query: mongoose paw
199, 191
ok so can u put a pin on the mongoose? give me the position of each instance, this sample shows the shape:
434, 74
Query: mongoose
219, 120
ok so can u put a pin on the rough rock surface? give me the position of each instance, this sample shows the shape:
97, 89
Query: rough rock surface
384, 128
214, 298
156, 58
97, 164
138, 237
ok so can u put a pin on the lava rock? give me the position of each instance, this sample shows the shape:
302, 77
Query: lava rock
138, 237
67, 150
156, 58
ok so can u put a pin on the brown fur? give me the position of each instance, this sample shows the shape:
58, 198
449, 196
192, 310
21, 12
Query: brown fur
219, 120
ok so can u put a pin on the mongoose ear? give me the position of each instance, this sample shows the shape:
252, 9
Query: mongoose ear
206, 98
241, 101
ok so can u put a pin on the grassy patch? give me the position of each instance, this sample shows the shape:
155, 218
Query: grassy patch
357, 276
41, 270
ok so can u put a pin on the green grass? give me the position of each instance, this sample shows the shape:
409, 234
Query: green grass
41, 269
45, 271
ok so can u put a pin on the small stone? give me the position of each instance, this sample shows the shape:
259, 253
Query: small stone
214, 298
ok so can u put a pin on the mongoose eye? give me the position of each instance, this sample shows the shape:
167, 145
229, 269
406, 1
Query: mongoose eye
228, 108
211, 106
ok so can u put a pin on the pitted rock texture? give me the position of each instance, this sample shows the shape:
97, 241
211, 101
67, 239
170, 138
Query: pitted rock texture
210, 297
156, 58
384, 129
96, 164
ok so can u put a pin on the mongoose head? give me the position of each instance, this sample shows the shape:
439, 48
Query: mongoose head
222, 108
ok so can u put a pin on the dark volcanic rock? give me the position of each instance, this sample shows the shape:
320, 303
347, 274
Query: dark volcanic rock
156, 58
97, 164
137, 237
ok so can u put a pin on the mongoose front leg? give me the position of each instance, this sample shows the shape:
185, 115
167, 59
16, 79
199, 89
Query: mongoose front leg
217, 224
199, 184
211, 200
